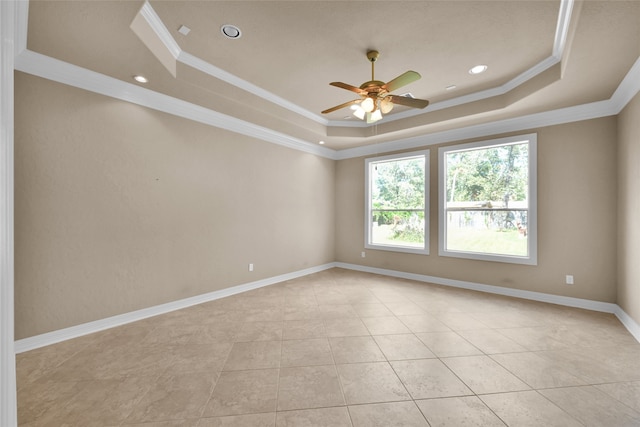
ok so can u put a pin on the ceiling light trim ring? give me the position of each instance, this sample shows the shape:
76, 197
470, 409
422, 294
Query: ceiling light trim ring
478, 69
231, 31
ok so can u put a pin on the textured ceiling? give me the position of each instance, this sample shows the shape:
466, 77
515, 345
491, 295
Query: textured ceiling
291, 50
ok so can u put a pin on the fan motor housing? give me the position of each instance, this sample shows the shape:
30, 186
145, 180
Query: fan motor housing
372, 86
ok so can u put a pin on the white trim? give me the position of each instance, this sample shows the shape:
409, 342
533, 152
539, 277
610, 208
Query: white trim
627, 89
532, 216
628, 322
498, 290
49, 338
559, 43
149, 14
625, 92
479, 96
548, 118
45, 67
165, 37
54, 337
53, 69
212, 70
72, 75
22, 22
604, 307
62, 72
9, 27
562, 28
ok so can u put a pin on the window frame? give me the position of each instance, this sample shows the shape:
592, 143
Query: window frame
532, 217
368, 216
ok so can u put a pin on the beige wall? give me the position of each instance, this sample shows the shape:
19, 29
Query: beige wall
119, 207
629, 209
576, 219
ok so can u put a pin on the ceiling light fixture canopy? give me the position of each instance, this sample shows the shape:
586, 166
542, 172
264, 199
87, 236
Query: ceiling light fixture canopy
375, 97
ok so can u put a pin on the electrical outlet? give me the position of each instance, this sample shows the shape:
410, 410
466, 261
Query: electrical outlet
250, 267
363, 254
569, 279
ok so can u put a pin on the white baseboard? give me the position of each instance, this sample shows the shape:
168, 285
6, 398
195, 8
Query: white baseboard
510, 292
628, 322
49, 338
606, 307
53, 337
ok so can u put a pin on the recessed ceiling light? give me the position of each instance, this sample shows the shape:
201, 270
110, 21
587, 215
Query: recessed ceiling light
184, 30
321, 142
231, 31
450, 87
140, 79
478, 69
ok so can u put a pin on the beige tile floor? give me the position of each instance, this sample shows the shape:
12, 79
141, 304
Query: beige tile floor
342, 348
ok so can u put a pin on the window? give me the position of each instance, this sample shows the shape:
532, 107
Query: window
488, 200
397, 194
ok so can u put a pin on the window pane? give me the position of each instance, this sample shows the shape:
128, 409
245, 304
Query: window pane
487, 199
396, 203
398, 228
488, 231
398, 184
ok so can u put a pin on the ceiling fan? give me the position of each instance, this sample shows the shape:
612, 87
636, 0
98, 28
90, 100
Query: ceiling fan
375, 97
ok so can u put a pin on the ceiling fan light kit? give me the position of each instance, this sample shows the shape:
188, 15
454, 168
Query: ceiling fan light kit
375, 97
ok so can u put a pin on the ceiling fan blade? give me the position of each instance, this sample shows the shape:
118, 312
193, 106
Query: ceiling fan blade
401, 80
349, 87
337, 107
409, 102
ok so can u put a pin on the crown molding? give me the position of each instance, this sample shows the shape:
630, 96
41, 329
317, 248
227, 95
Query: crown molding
50, 68
164, 35
547, 118
149, 14
559, 43
220, 74
62, 72
72, 75
627, 89
520, 79
562, 26
479, 96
